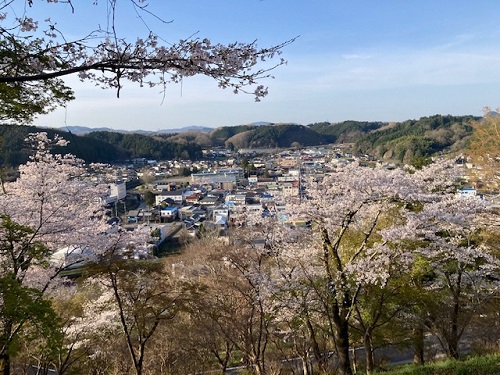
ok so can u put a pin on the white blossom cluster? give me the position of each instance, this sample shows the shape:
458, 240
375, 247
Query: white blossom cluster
58, 210
370, 224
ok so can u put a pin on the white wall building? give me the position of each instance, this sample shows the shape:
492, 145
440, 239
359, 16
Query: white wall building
117, 191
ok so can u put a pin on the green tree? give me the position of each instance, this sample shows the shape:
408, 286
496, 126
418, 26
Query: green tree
21, 306
22, 101
184, 171
149, 198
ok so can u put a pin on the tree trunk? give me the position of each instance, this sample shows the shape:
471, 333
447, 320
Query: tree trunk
342, 344
452, 336
318, 354
4, 364
6, 342
305, 365
367, 341
259, 369
452, 339
418, 345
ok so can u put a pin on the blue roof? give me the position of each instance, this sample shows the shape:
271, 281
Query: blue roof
170, 208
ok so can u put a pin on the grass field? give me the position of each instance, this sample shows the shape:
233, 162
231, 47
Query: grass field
474, 365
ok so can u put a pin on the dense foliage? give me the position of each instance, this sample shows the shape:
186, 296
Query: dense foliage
143, 146
220, 135
405, 141
346, 131
417, 138
14, 150
94, 147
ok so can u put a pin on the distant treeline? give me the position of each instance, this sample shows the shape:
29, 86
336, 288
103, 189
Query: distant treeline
398, 141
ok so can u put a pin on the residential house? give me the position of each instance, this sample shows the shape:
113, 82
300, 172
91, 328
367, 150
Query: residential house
290, 189
169, 213
467, 192
236, 198
209, 200
133, 216
117, 191
176, 196
253, 179
220, 217
190, 211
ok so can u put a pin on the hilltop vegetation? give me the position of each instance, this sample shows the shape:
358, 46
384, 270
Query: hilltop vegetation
347, 131
102, 146
279, 135
414, 139
220, 135
15, 151
402, 142
144, 146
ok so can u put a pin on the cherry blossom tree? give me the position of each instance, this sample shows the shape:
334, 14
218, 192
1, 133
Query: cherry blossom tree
49, 207
92, 341
300, 312
245, 275
348, 210
51, 218
454, 271
462, 273
377, 308
65, 355
36, 54
140, 297
359, 217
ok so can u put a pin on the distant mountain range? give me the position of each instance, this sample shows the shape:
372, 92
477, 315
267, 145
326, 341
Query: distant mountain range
80, 130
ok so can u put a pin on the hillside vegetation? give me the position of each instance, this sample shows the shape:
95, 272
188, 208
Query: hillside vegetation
146, 146
403, 142
279, 135
14, 150
415, 139
102, 146
347, 131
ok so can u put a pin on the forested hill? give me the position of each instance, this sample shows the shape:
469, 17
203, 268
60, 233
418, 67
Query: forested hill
347, 131
94, 147
401, 141
398, 141
417, 138
268, 136
14, 150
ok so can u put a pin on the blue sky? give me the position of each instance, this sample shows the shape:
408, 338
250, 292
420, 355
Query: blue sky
374, 60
